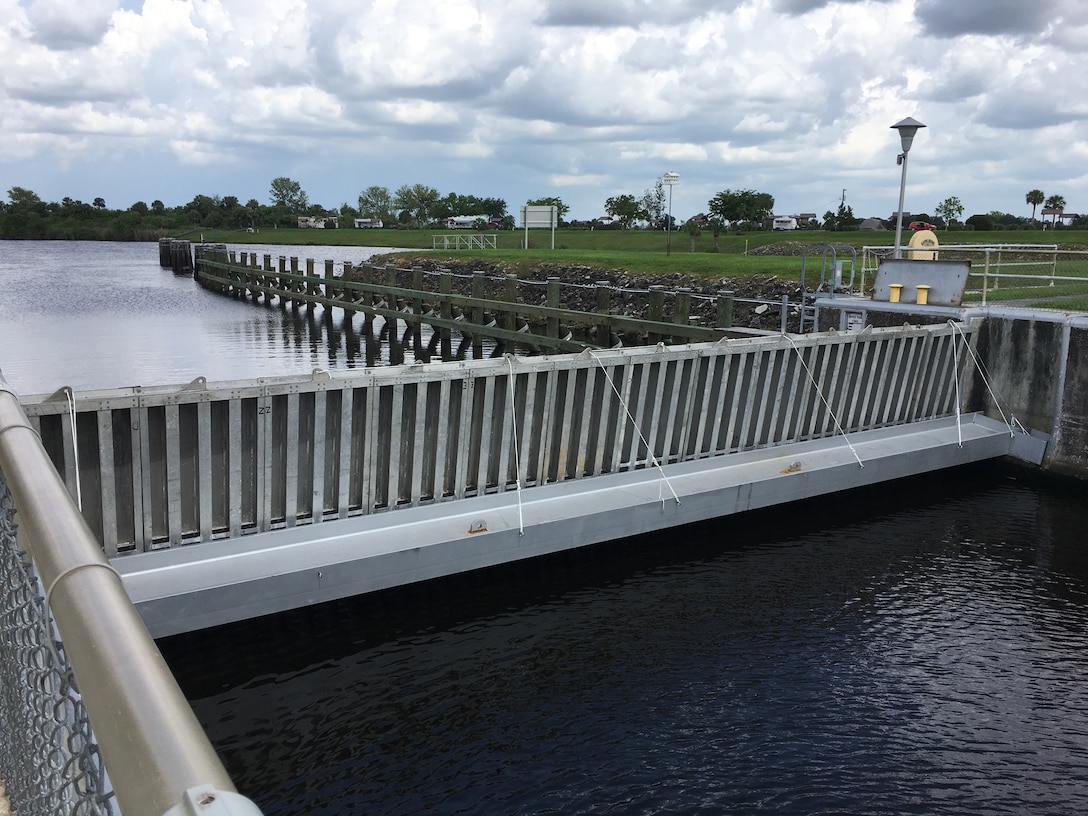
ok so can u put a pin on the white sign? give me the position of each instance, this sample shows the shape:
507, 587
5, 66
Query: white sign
539, 217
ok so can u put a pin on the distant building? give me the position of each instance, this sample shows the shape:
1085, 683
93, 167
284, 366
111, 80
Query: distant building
872, 225
368, 223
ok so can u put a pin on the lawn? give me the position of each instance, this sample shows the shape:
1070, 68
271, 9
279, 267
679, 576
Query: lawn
641, 251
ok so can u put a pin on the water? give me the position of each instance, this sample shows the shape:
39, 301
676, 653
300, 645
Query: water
852, 656
105, 315
915, 648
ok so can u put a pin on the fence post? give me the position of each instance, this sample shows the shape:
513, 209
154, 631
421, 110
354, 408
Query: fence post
445, 288
682, 314
477, 315
657, 310
725, 309
552, 302
986, 277
603, 306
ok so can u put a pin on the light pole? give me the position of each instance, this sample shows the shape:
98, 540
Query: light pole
669, 179
907, 128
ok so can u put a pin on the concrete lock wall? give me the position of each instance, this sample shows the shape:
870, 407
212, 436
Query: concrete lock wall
1038, 370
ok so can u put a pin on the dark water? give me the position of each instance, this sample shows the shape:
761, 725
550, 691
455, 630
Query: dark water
914, 650
96, 315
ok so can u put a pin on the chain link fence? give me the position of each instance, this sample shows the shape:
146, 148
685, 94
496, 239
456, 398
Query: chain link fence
49, 761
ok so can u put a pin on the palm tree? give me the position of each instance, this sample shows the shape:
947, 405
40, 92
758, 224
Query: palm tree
1034, 198
1056, 203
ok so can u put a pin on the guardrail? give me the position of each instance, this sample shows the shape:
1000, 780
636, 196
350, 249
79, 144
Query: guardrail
169, 466
93, 697
1027, 267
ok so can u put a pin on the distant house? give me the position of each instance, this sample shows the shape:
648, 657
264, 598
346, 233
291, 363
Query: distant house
368, 223
464, 221
315, 222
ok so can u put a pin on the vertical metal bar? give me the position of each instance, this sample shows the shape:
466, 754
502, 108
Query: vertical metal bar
321, 443
204, 468
567, 440
264, 459
547, 427
528, 432
622, 419
396, 423
464, 435
343, 494
419, 440
290, 487
173, 474
371, 447
108, 481
444, 427
139, 487
234, 454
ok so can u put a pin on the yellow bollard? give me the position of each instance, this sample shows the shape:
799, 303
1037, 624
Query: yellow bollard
923, 294
896, 288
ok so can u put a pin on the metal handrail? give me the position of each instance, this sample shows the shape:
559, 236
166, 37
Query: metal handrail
157, 755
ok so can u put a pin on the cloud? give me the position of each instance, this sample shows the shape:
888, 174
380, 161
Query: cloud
67, 24
941, 18
626, 13
799, 7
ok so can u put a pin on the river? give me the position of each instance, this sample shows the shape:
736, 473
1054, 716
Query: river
914, 648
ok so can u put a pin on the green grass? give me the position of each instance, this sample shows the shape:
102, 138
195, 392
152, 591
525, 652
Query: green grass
637, 251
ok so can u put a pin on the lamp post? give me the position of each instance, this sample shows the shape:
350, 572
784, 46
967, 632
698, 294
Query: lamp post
669, 179
907, 128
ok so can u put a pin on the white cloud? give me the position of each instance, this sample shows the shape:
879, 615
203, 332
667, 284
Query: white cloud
517, 98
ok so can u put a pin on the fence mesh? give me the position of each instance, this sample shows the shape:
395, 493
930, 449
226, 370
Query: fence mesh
49, 762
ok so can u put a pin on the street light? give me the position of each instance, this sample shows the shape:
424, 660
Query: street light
669, 179
907, 128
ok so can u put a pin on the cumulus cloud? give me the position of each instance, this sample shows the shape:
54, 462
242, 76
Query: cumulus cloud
66, 24
1016, 18
540, 97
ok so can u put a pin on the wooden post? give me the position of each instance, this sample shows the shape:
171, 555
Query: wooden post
552, 302
445, 287
510, 316
477, 318
657, 310
725, 309
682, 314
417, 310
603, 306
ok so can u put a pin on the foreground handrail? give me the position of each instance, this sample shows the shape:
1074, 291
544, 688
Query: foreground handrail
157, 755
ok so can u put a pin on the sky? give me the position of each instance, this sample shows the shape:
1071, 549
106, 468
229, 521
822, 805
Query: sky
137, 100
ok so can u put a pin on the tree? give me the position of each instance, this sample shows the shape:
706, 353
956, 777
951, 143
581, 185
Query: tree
23, 199
561, 209
1057, 204
653, 204
417, 200
950, 210
288, 193
717, 226
139, 207
100, 203
376, 202
1034, 198
693, 228
626, 208
736, 206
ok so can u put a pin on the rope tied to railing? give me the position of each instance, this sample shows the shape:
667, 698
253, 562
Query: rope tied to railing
820, 394
638, 430
980, 366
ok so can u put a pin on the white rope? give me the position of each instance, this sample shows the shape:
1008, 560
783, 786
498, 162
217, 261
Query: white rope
816, 385
75, 446
649, 448
517, 454
982, 372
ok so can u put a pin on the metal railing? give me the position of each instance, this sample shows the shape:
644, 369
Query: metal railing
175, 465
1027, 271
91, 696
